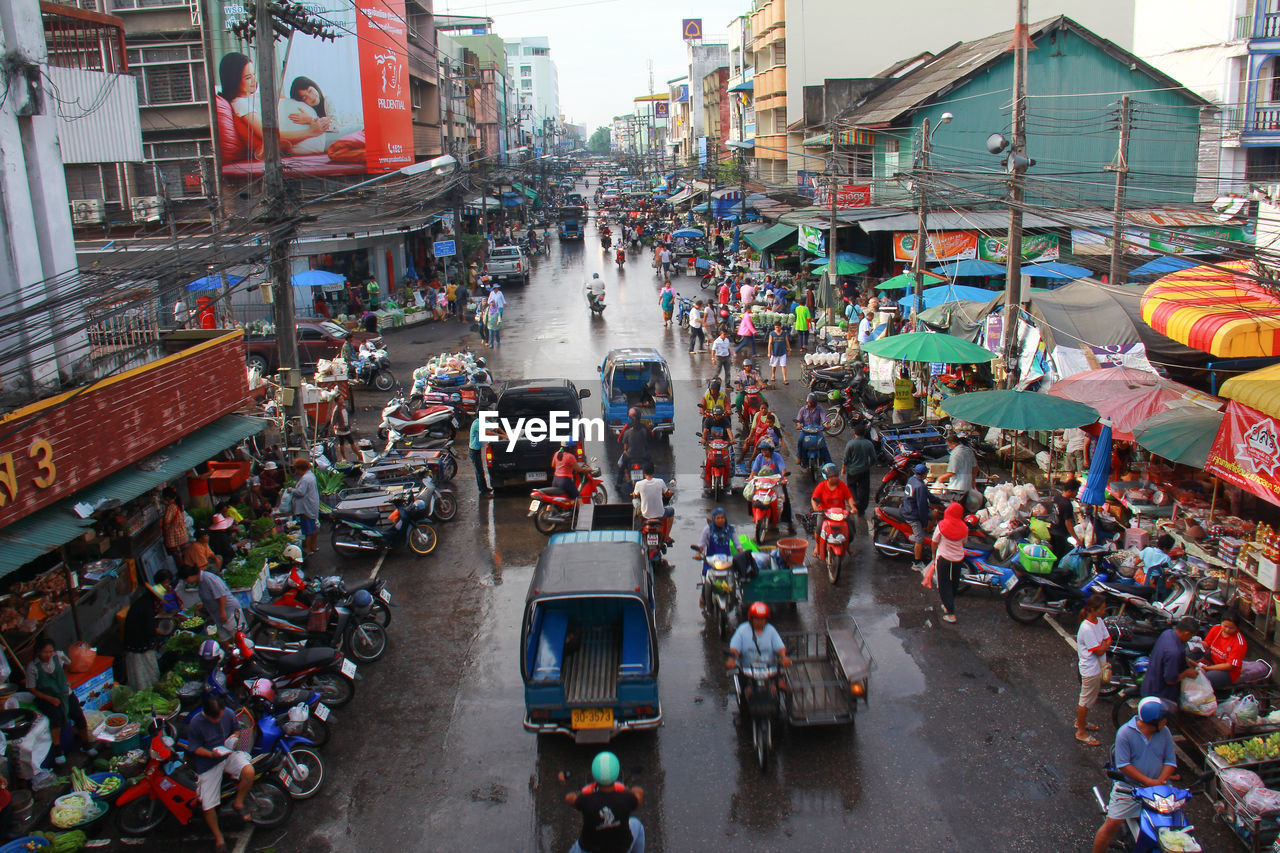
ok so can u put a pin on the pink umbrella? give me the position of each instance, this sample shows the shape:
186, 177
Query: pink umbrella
1104, 383
1128, 396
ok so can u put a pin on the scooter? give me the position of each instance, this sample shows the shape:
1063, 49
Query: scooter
717, 466
1036, 594
891, 533
811, 451
435, 454
362, 531
684, 306
759, 700
834, 536
287, 700
324, 670
373, 368
1161, 812
621, 257
435, 421
301, 767
721, 595
595, 302
1186, 596
655, 548
170, 787
751, 398
766, 503
324, 623
553, 510
904, 462
292, 589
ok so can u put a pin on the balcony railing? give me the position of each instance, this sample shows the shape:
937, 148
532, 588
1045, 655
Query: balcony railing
1244, 27
1270, 26
1264, 120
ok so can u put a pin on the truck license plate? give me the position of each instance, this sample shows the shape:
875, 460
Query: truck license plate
591, 718
348, 669
534, 477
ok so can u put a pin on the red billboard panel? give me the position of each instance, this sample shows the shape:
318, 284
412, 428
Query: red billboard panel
1246, 452
343, 105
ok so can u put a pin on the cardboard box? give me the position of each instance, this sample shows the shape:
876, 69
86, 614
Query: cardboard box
1267, 573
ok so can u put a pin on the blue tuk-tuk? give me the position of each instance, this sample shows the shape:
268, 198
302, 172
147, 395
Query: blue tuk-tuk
571, 221
637, 378
589, 647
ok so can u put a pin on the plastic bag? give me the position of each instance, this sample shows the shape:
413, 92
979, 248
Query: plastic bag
1246, 711
1239, 780
1262, 802
82, 657
1197, 696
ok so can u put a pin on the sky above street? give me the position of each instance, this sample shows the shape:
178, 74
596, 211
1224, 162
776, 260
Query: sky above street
602, 47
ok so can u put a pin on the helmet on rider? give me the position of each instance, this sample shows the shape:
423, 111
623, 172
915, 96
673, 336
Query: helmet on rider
765, 447
747, 364
605, 768
210, 650
595, 275
758, 610
714, 385
263, 688
292, 553
830, 470
921, 469
834, 396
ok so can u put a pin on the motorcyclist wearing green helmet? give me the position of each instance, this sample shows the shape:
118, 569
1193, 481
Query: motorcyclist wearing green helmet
606, 805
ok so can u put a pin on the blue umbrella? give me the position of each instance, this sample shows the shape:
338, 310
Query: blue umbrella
1161, 266
214, 282
1056, 269
970, 266
733, 247
1095, 489
687, 233
316, 278
851, 257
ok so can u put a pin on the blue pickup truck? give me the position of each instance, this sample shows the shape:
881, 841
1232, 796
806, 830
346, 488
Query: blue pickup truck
589, 648
637, 378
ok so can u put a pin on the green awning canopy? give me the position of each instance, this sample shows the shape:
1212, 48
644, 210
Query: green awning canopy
57, 524
818, 141
532, 195
762, 241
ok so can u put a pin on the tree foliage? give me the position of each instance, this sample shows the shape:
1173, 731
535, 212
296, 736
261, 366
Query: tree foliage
599, 142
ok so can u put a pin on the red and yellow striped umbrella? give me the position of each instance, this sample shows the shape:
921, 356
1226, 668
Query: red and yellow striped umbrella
1222, 310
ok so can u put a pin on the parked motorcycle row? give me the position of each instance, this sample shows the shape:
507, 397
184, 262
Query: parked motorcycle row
281, 681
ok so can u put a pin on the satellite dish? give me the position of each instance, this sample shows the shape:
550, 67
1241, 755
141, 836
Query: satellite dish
996, 143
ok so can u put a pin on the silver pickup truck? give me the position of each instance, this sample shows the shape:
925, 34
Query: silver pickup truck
508, 263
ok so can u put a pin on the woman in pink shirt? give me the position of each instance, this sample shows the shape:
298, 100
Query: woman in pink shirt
948, 555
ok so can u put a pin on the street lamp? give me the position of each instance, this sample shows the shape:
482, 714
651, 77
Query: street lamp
438, 167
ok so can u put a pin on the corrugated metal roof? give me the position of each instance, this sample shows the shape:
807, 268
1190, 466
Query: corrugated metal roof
97, 115
41, 532
968, 220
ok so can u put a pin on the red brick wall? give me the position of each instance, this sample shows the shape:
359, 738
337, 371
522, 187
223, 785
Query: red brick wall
115, 423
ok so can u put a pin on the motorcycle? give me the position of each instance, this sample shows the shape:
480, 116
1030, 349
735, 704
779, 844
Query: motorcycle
324, 670
1198, 597
373, 368
169, 786
766, 503
1034, 594
362, 531
301, 767
891, 533
751, 399
654, 546
284, 708
605, 242
721, 595
435, 454
1161, 812
684, 306
811, 451
717, 466
620, 257
759, 700
350, 629
900, 470
552, 510
595, 302
437, 421
833, 540
292, 589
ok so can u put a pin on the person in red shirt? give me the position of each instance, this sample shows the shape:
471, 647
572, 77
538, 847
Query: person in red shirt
831, 493
722, 295
566, 467
1227, 649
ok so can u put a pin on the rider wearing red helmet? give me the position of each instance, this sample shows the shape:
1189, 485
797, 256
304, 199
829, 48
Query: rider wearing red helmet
756, 642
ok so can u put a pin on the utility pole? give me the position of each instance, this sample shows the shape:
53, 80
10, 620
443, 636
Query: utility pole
273, 191
834, 191
1017, 149
922, 211
1121, 168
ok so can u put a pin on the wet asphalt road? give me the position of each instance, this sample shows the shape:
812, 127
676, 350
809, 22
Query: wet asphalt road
967, 742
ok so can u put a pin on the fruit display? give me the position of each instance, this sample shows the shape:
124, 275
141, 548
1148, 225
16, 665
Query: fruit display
1249, 751
194, 623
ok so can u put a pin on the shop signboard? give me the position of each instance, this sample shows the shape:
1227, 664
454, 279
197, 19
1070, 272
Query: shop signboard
343, 103
811, 240
1035, 248
1189, 240
943, 246
1246, 452
444, 248
848, 197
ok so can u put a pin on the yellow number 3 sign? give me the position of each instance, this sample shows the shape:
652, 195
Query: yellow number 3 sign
41, 452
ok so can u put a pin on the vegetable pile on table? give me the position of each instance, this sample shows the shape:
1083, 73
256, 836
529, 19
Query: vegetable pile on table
140, 705
183, 642
63, 842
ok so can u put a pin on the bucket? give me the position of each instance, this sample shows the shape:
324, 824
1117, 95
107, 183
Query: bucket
792, 551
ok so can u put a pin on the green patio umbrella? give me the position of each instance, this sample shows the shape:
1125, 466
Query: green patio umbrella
930, 347
1018, 410
907, 281
1183, 434
842, 268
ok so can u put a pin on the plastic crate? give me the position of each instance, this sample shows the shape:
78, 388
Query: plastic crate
770, 585
1033, 564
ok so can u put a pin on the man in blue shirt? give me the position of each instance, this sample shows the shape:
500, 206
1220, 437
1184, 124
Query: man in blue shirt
1144, 753
916, 506
476, 449
206, 736
1168, 664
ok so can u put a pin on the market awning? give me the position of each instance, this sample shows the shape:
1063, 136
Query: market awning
681, 197
744, 86
476, 202
1161, 266
1244, 452
762, 241
1222, 310
56, 525
532, 195
1259, 390
820, 140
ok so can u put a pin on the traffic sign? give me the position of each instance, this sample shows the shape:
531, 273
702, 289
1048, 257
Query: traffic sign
444, 248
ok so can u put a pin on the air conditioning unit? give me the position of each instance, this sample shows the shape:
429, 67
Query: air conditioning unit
147, 208
87, 211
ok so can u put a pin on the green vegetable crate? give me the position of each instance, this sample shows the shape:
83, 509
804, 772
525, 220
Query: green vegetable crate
1256, 834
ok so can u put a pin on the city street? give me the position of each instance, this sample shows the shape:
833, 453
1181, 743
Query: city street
967, 742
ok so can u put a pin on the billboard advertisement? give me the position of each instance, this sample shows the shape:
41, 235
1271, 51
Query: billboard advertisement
943, 246
1035, 248
1246, 452
343, 105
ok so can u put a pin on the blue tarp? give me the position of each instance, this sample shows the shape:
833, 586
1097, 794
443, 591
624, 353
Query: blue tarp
317, 278
970, 266
944, 293
1056, 269
851, 257
214, 282
1161, 266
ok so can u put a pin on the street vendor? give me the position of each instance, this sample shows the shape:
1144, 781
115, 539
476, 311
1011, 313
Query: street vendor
961, 465
222, 607
1227, 648
47, 681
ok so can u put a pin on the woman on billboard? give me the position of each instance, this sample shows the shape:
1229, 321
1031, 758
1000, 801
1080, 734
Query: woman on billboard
240, 113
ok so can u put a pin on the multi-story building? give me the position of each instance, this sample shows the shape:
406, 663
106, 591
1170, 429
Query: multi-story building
491, 96
703, 58
742, 69
622, 138
650, 128
536, 84
680, 122
716, 109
